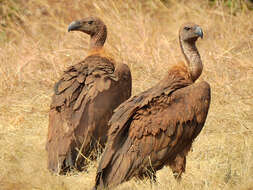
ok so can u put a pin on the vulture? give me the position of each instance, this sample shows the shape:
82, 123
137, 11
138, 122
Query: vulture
157, 127
83, 101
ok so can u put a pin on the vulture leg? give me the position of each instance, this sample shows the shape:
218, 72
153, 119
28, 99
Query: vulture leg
178, 166
68, 163
179, 163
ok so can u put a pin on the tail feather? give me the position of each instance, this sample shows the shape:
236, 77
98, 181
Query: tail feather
119, 167
58, 145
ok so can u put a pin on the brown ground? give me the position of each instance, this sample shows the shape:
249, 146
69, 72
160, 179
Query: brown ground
35, 48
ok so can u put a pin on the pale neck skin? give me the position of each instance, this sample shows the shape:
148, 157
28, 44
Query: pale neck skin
97, 40
192, 57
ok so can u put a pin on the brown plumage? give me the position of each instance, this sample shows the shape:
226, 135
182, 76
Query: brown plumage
84, 100
157, 127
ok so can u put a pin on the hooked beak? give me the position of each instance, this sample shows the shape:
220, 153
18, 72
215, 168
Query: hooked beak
74, 26
199, 31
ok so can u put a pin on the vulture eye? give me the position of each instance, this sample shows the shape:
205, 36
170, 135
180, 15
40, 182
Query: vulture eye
187, 28
90, 22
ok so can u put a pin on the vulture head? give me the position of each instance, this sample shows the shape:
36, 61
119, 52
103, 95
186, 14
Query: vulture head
90, 25
190, 32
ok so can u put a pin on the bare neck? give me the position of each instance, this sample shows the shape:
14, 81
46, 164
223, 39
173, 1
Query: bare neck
97, 40
192, 57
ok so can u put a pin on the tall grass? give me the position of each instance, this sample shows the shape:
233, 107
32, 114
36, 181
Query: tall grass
35, 48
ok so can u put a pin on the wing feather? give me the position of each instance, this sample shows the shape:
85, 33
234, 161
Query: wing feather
85, 76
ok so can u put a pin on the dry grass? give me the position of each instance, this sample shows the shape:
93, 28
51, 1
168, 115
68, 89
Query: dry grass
36, 48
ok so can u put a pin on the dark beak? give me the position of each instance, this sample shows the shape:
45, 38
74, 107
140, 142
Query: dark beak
74, 26
199, 31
